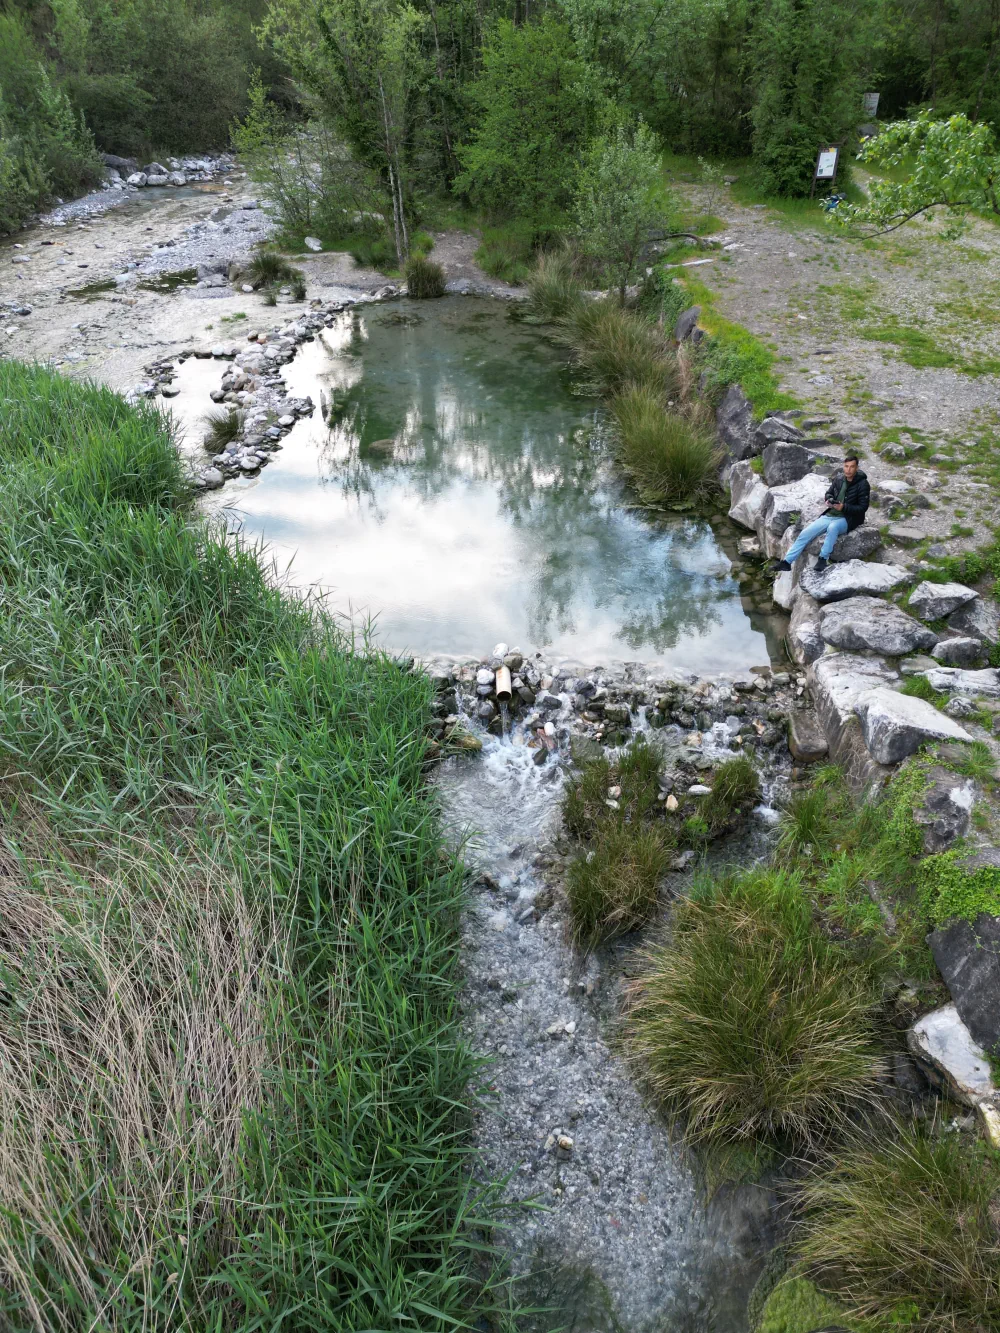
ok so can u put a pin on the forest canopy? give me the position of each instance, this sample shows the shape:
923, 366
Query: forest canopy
493, 102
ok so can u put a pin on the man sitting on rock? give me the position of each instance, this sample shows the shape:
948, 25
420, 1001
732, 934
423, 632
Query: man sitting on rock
848, 499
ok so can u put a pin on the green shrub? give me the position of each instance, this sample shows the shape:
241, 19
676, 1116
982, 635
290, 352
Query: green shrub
424, 279
808, 824
949, 891
614, 886
299, 288
618, 348
554, 292
749, 1024
795, 1306
908, 1230
667, 456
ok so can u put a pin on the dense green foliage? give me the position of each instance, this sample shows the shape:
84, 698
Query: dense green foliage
231, 1087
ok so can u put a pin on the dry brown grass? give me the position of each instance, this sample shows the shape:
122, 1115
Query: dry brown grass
133, 1041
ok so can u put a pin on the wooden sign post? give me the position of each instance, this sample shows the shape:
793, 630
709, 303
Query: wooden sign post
826, 166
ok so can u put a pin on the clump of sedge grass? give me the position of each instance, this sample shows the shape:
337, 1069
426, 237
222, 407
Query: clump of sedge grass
505, 253
921, 688
668, 456
749, 1024
267, 269
554, 293
270, 296
618, 348
613, 887
424, 279
222, 427
909, 1230
299, 288
635, 772
735, 790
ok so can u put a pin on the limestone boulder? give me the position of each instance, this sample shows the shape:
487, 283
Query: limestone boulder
747, 494
785, 505
806, 739
776, 428
857, 545
985, 682
735, 423
933, 601
686, 323
804, 638
978, 619
897, 725
836, 681
868, 624
944, 1046
958, 652
943, 809
853, 578
785, 462
968, 957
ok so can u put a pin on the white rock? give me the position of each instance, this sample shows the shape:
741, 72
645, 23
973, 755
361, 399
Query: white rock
868, 624
836, 682
484, 676
896, 725
805, 642
747, 494
138, 178
500, 650
313, 243
212, 478
784, 505
931, 601
852, 578
699, 789
941, 1040
786, 589
986, 682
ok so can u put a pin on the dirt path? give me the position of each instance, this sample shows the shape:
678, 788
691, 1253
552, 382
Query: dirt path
896, 339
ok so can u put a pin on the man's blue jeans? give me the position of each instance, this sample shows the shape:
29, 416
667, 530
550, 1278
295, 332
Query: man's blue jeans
832, 524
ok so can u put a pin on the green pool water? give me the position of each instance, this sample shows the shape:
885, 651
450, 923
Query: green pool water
496, 514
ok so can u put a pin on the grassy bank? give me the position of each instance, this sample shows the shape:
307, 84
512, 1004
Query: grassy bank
231, 1086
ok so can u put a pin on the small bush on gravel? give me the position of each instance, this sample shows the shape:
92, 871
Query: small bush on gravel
424, 279
267, 269
668, 456
910, 1230
750, 1024
613, 887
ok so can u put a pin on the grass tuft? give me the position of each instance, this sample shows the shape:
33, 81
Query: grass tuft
749, 1024
613, 887
909, 1229
668, 456
554, 292
221, 428
618, 348
424, 279
267, 269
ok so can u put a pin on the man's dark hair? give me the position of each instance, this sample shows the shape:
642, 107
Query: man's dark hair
851, 458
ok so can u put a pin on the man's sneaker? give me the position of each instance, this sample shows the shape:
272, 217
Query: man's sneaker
782, 567
820, 565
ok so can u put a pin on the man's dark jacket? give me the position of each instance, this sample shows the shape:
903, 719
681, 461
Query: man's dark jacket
856, 501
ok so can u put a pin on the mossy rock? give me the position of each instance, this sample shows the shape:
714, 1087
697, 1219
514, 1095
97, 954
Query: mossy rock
796, 1306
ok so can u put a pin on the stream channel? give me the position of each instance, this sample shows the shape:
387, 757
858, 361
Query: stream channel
488, 510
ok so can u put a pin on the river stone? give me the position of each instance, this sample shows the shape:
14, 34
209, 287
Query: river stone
212, 478
806, 740
979, 619
734, 420
686, 322
313, 243
867, 624
932, 601
177, 178
958, 652
943, 809
985, 682
968, 957
773, 428
852, 578
158, 178
896, 725
784, 505
785, 462
747, 494
805, 642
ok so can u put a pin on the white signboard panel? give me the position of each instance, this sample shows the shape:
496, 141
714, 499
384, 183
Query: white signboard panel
826, 167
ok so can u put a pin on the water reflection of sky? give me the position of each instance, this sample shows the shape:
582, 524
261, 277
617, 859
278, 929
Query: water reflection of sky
496, 516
